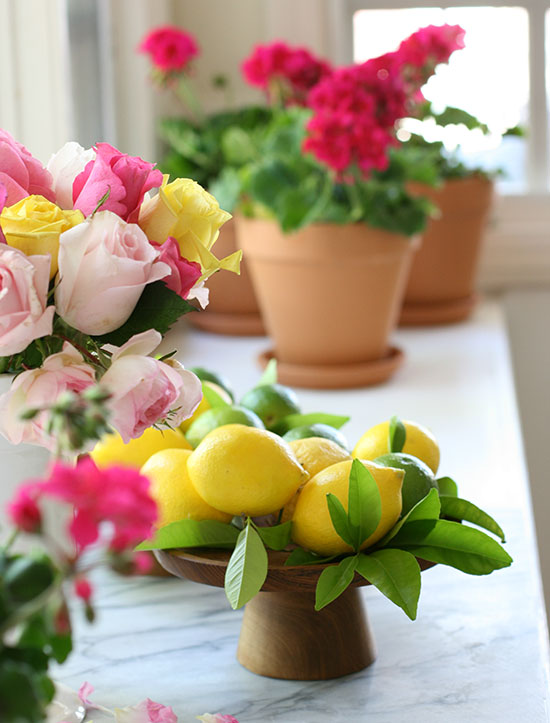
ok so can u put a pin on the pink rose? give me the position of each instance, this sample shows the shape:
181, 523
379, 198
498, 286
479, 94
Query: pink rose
20, 173
184, 274
24, 315
169, 48
127, 178
36, 387
3, 199
104, 265
145, 390
65, 166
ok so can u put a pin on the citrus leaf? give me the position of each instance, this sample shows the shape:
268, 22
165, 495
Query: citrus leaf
397, 435
333, 581
246, 569
340, 520
396, 574
364, 503
460, 509
428, 508
270, 374
212, 397
276, 537
192, 533
451, 543
447, 487
298, 420
299, 556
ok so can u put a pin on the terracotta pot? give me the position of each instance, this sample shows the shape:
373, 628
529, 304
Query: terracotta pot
233, 308
443, 273
330, 296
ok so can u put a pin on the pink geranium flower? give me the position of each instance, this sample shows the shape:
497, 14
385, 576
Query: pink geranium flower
170, 49
126, 178
24, 511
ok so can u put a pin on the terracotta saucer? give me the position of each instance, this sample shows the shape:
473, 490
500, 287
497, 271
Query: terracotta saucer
336, 376
447, 312
229, 324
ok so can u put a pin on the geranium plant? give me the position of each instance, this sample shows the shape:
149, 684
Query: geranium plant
100, 255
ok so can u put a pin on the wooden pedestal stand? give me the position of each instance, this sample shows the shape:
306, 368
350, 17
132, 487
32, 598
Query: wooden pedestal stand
282, 636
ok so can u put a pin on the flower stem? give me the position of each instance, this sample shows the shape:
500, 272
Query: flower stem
189, 99
11, 539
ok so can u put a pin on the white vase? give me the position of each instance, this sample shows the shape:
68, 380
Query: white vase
18, 462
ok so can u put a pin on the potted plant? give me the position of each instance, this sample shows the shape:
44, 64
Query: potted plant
317, 218
200, 146
441, 285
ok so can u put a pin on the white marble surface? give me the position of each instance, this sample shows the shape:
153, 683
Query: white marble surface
478, 650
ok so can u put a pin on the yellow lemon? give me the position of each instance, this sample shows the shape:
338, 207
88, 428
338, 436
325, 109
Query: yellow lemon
112, 450
204, 405
314, 454
173, 491
245, 470
419, 442
311, 524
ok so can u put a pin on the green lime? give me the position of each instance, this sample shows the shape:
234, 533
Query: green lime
418, 480
317, 430
218, 417
206, 375
271, 403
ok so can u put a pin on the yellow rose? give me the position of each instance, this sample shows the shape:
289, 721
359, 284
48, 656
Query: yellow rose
33, 225
184, 210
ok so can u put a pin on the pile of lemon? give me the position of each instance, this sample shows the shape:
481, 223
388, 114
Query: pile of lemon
241, 469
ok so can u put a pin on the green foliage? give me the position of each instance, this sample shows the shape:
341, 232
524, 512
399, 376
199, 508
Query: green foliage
276, 537
459, 509
247, 568
192, 533
397, 435
333, 581
396, 574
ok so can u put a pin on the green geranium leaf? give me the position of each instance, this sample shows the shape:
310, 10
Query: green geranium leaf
340, 520
27, 577
364, 503
212, 397
299, 556
460, 509
396, 574
450, 543
192, 533
333, 581
158, 308
397, 435
428, 508
276, 537
298, 420
247, 568
447, 487
270, 374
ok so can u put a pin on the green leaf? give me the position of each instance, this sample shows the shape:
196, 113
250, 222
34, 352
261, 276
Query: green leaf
247, 568
212, 397
192, 533
270, 374
397, 435
298, 420
447, 487
364, 503
158, 308
276, 537
396, 574
340, 520
428, 508
299, 556
27, 577
333, 581
459, 509
451, 543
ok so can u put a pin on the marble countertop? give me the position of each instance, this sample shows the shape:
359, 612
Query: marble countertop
478, 649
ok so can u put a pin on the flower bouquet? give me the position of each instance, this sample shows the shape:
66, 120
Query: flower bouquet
95, 269
321, 208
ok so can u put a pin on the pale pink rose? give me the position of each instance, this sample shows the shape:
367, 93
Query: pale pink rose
146, 712
200, 293
127, 178
146, 391
104, 265
24, 314
21, 173
37, 387
65, 166
183, 273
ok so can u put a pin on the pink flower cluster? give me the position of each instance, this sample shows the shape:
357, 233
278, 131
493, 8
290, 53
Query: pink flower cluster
286, 74
170, 49
356, 108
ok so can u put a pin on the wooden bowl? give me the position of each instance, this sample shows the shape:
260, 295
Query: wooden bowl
282, 636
